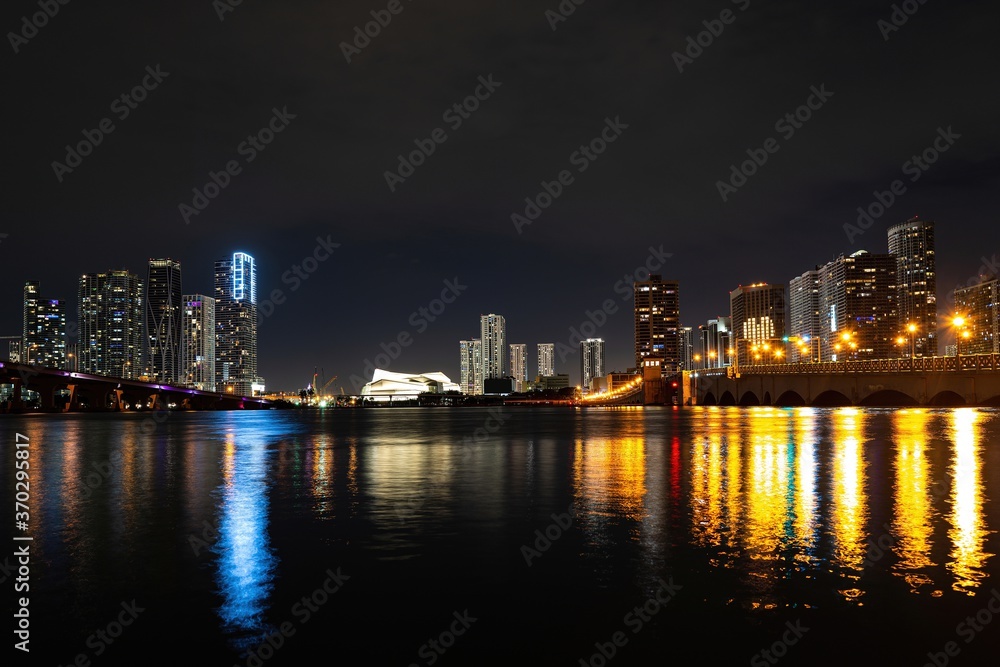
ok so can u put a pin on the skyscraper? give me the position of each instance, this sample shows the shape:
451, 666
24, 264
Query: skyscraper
198, 342
519, 365
715, 342
236, 324
758, 313
857, 307
471, 366
493, 334
163, 320
912, 242
657, 323
804, 317
110, 313
980, 306
43, 338
546, 359
687, 348
591, 361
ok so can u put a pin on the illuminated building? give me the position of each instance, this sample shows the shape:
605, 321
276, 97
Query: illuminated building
715, 343
519, 365
198, 342
493, 334
758, 316
857, 307
236, 324
912, 242
43, 338
471, 365
804, 317
591, 361
980, 307
110, 315
163, 320
387, 385
657, 322
546, 359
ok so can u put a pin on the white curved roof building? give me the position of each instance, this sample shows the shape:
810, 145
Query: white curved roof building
387, 384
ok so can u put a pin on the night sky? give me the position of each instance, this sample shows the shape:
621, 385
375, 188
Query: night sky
324, 176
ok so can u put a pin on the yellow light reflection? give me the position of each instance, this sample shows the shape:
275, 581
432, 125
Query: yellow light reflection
806, 519
911, 527
849, 513
968, 530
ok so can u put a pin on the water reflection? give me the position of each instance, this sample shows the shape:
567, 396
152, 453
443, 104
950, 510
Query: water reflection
913, 509
246, 562
968, 530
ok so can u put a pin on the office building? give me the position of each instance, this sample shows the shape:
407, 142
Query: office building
111, 321
591, 361
546, 359
236, 324
758, 317
198, 342
857, 308
163, 320
804, 317
714, 343
471, 366
657, 322
519, 365
43, 337
978, 306
912, 242
493, 334
687, 348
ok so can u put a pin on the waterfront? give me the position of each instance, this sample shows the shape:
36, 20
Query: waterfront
513, 536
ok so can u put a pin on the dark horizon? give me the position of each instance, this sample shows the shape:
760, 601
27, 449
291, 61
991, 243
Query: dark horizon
541, 88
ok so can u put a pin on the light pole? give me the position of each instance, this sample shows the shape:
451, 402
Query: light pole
33, 346
124, 365
912, 329
959, 322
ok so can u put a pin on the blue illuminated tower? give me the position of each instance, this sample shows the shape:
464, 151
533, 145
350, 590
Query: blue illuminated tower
236, 324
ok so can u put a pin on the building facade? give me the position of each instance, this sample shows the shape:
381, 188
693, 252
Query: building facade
657, 322
714, 343
198, 342
493, 334
912, 242
591, 361
519, 365
857, 307
236, 324
163, 321
471, 367
43, 337
546, 359
110, 312
758, 317
804, 317
979, 306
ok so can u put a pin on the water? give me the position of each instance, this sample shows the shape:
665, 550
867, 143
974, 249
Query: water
524, 536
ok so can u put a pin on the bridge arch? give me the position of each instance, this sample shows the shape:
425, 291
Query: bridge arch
947, 399
767, 398
749, 398
889, 398
831, 399
992, 402
790, 399
727, 398
709, 399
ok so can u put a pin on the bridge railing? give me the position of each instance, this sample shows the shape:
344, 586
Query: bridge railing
969, 362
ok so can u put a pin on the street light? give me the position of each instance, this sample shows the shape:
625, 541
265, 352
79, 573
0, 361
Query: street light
127, 363
912, 329
33, 346
959, 323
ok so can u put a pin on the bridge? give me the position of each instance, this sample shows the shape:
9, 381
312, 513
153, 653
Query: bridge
64, 391
930, 381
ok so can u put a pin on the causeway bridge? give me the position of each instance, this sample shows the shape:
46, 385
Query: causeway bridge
65, 391
929, 381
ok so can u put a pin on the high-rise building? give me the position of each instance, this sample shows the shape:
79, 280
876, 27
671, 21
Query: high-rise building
687, 348
471, 367
163, 320
591, 361
43, 338
758, 316
198, 342
715, 343
857, 307
657, 322
493, 334
979, 305
111, 317
546, 359
804, 317
912, 242
519, 365
236, 324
